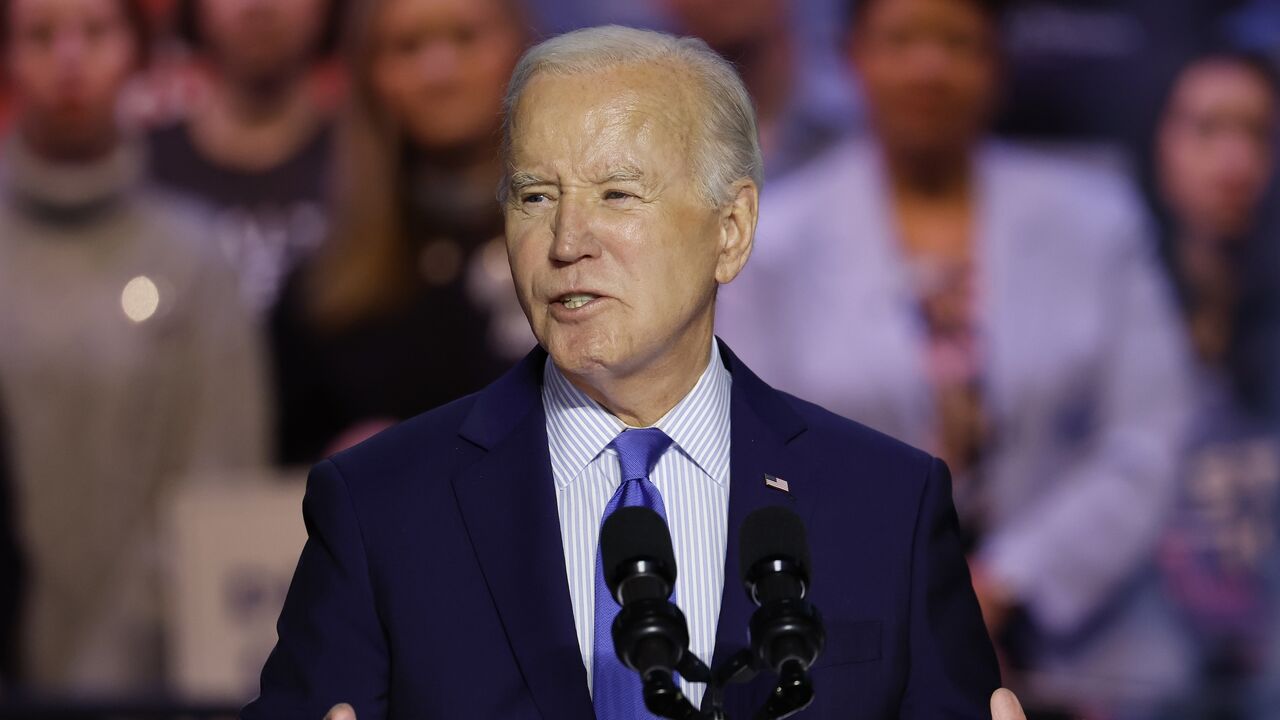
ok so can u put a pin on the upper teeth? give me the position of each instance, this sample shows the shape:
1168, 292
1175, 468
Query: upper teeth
576, 301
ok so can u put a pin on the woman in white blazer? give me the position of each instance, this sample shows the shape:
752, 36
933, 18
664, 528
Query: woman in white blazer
1079, 364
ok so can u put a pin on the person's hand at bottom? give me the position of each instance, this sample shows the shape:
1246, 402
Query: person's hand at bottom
1004, 706
343, 711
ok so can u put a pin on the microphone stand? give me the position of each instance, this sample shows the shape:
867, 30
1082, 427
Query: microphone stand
792, 694
662, 695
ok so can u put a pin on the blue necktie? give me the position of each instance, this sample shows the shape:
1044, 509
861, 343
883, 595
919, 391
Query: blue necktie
617, 692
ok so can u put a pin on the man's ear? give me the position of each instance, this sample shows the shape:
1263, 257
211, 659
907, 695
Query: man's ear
737, 229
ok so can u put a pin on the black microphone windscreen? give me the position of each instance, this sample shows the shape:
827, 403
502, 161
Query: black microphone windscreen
632, 533
770, 533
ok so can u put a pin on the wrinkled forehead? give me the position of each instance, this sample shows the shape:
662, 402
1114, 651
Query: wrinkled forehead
620, 115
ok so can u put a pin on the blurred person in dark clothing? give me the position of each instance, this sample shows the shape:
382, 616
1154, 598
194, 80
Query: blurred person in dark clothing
758, 37
257, 147
409, 304
1214, 165
126, 363
1215, 154
1005, 309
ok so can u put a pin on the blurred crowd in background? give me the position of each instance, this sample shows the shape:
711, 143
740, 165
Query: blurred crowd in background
1038, 239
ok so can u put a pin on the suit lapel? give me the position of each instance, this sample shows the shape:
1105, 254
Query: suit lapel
762, 425
507, 501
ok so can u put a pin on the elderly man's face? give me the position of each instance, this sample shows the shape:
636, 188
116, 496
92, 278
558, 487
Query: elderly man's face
615, 252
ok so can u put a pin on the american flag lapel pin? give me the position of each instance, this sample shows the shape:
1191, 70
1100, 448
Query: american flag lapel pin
777, 483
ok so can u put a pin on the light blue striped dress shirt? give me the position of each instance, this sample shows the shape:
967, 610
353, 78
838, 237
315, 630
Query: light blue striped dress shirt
692, 475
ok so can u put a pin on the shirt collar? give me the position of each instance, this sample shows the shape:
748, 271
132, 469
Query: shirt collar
579, 429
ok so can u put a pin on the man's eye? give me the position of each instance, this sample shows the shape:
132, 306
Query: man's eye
616, 195
533, 198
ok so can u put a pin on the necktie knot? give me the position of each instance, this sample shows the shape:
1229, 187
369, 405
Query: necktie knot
639, 450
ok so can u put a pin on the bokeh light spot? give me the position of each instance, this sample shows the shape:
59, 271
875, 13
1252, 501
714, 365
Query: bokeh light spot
140, 299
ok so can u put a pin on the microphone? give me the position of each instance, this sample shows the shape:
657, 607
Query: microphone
650, 634
635, 550
786, 630
773, 559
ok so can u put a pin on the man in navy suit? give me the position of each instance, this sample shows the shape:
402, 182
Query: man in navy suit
449, 568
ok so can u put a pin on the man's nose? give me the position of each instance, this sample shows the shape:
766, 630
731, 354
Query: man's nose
575, 238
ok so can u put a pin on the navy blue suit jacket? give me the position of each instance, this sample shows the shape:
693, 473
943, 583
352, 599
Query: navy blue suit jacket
433, 581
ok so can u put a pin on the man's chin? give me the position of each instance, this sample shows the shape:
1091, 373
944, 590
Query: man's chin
582, 355
575, 361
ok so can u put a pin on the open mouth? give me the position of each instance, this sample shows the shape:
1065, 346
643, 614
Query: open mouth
573, 301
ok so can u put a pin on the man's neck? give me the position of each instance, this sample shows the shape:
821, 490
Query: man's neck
643, 398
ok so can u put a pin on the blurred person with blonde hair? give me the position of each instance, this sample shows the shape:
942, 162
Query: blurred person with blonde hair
409, 304
1003, 308
127, 363
256, 144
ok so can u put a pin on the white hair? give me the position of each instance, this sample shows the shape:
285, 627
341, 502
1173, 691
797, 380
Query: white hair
728, 144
